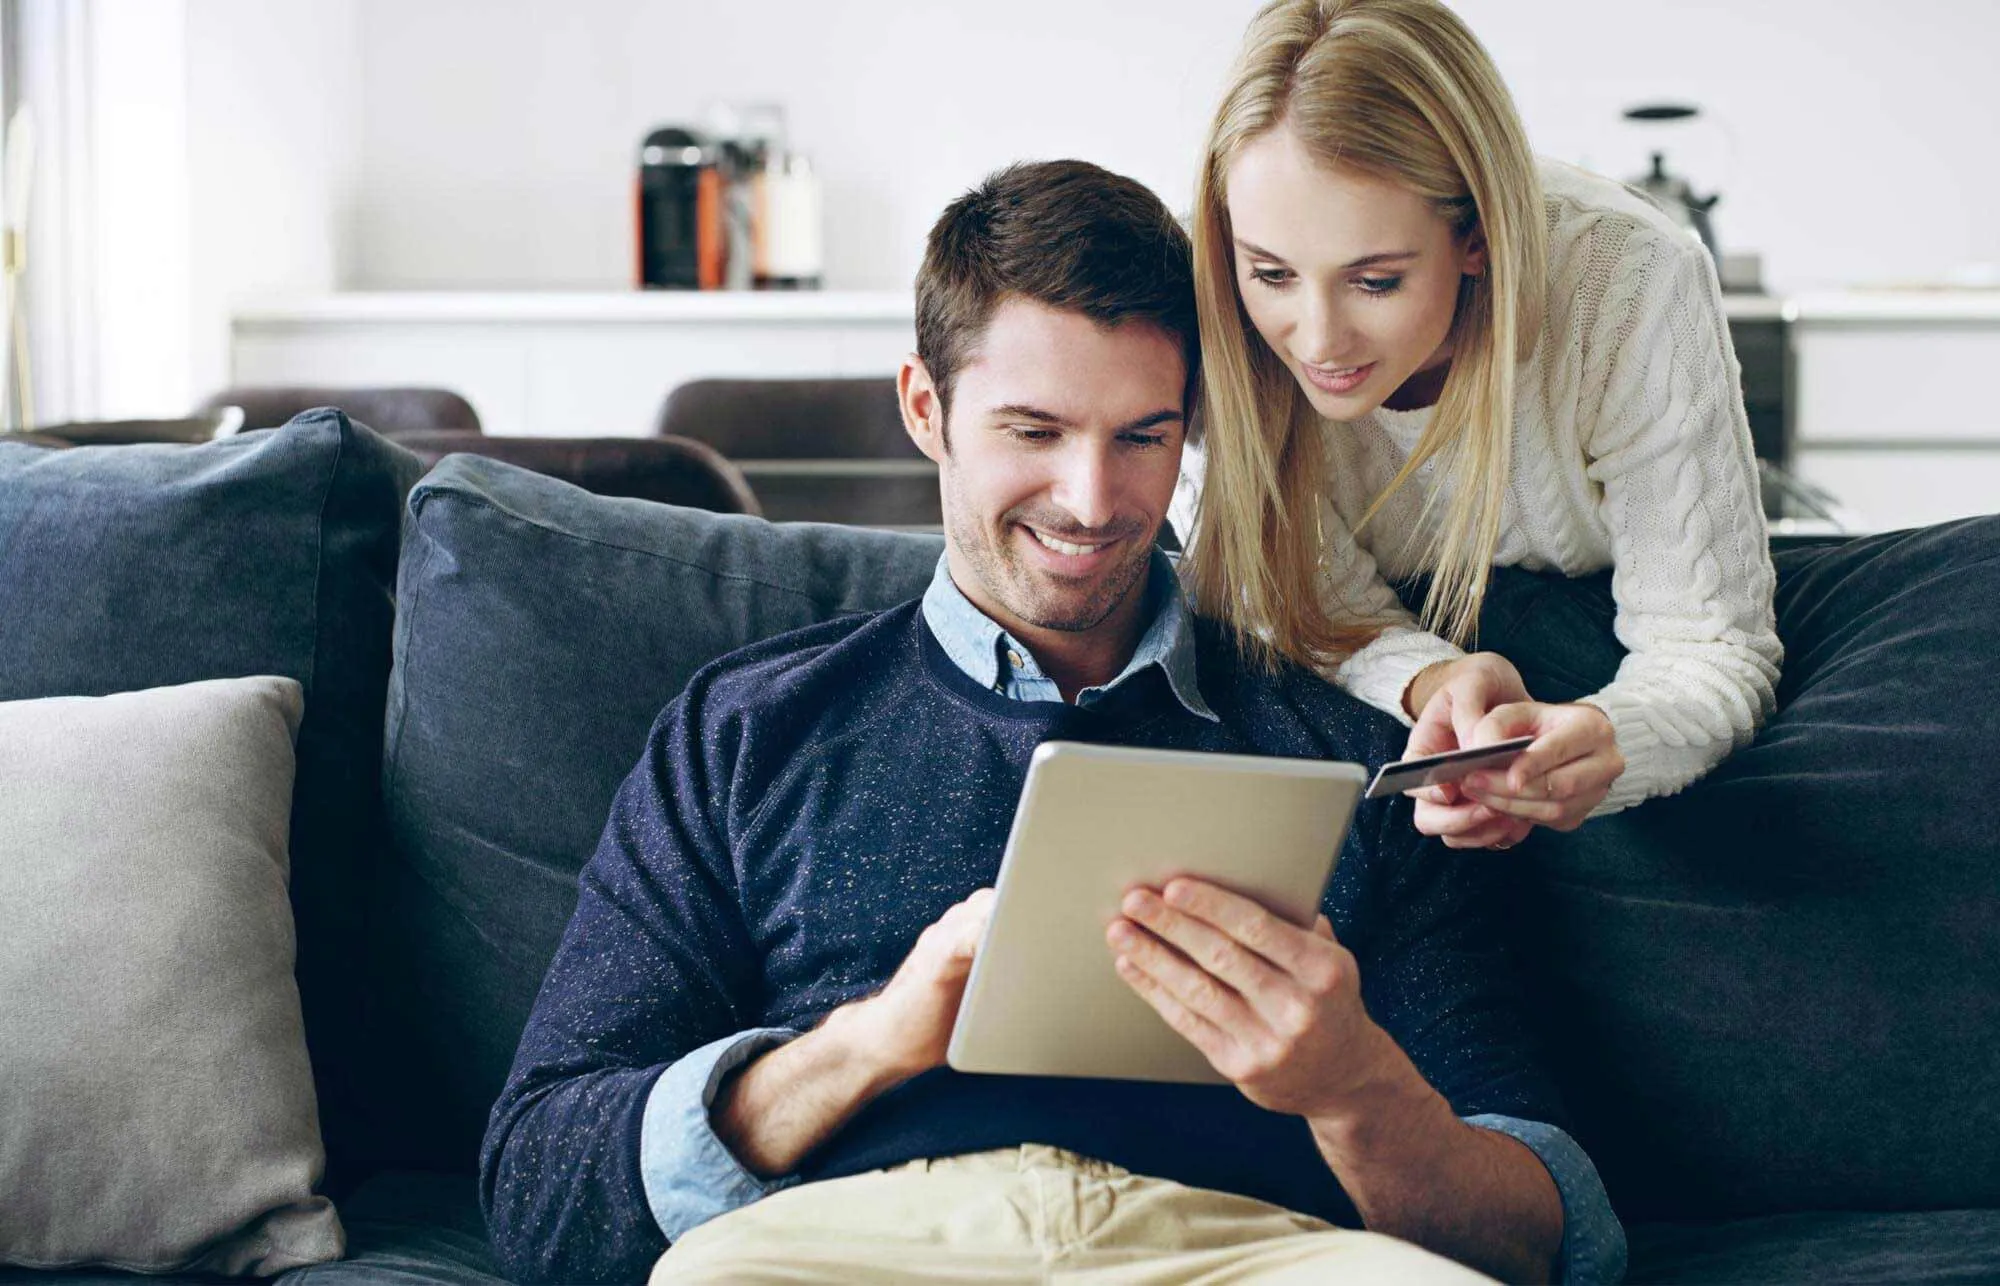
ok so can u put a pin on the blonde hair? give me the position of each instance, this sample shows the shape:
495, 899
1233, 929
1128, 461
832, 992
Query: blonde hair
1401, 91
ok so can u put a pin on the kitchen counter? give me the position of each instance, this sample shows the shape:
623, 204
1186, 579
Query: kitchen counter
1878, 395
540, 306
810, 306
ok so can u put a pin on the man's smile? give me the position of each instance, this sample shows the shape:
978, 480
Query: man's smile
1072, 557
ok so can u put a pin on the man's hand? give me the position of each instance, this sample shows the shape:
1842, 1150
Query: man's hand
1559, 779
783, 1104
910, 1020
1276, 1008
1453, 696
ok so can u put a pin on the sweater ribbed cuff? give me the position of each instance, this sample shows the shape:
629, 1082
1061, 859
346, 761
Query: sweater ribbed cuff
1380, 673
1652, 766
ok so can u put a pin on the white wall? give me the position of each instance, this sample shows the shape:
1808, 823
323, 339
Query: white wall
138, 212
1852, 142
501, 136
273, 139
216, 162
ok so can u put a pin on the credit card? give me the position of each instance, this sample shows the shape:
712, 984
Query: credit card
1435, 770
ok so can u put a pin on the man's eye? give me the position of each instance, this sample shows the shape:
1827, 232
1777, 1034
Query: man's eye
1146, 439
1026, 434
1380, 285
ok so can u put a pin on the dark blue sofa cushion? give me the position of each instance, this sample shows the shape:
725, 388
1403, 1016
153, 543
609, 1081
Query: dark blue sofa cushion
1937, 1248
1780, 990
425, 1230
403, 1229
541, 630
271, 553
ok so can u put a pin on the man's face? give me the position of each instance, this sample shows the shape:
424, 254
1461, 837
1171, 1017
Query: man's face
1057, 464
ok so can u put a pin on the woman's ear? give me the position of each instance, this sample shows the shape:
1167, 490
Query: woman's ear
923, 409
1472, 256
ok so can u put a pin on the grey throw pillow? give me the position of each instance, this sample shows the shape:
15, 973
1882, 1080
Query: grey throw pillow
156, 1102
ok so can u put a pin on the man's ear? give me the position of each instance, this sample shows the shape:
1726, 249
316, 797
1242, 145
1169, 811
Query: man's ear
923, 409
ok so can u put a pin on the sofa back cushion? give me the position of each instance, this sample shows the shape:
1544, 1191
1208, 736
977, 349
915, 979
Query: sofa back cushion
271, 553
1780, 989
540, 631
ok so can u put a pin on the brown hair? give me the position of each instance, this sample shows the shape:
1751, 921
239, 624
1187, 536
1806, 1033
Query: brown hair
1066, 234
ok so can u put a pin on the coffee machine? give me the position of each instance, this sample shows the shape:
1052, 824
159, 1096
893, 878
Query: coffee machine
681, 216
728, 207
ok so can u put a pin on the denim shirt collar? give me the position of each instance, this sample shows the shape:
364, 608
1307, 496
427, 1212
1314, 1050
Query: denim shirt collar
996, 660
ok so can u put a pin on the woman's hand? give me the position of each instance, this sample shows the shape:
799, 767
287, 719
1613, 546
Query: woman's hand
1453, 696
1479, 699
1559, 779
1471, 685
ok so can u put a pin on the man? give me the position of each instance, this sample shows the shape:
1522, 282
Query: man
739, 1047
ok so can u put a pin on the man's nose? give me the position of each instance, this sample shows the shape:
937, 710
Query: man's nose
1084, 486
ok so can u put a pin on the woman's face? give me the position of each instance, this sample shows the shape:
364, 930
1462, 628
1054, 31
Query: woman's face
1351, 280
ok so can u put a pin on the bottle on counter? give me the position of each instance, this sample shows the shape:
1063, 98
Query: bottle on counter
772, 215
789, 248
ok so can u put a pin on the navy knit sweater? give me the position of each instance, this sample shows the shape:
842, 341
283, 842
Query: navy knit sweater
809, 805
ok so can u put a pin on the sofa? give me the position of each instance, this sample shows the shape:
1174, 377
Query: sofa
1781, 1046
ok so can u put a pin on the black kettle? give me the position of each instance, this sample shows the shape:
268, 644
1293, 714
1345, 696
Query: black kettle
1671, 192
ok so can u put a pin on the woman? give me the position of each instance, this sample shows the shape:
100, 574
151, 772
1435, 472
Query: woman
1425, 354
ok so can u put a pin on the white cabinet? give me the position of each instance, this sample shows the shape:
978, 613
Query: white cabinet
1896, 410
1886, 488
572, 365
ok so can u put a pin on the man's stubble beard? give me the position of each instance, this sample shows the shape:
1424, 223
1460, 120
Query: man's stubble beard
1001, 573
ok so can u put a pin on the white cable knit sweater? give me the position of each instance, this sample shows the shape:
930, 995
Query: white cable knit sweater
1631, 450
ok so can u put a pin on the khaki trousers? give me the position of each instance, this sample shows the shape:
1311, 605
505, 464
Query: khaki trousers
1033, 1214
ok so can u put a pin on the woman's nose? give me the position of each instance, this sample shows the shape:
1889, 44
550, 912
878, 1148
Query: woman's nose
1324, 336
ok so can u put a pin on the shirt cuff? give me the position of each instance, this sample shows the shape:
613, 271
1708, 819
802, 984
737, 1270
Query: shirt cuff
1593, 1244
690, 1174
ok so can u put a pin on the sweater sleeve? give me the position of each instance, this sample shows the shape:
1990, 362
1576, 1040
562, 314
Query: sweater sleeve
1439, 976
655, 963
1693, 580
1353, 589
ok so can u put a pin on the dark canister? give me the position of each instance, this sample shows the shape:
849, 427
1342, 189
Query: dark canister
680, 214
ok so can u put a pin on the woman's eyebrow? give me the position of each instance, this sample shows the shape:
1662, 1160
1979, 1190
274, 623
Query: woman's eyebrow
1365, 261
1387, 256
1258, 251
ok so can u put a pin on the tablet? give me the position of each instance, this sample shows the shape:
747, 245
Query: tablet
1043, 998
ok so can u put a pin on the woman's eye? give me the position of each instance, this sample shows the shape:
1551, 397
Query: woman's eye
1271, 276
1380, 285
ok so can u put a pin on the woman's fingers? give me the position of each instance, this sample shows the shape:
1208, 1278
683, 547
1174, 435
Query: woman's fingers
1500, 832
1557, 781
1563, 776
1432, 735
1467, 825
